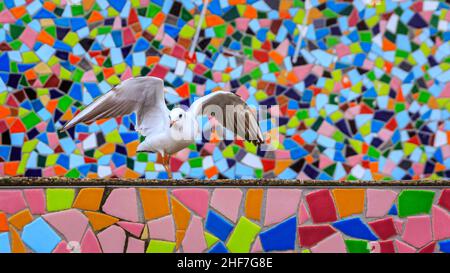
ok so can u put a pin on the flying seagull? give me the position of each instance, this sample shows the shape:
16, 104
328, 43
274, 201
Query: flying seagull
167, 132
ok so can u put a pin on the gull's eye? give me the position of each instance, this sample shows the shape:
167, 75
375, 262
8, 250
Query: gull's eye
180, 115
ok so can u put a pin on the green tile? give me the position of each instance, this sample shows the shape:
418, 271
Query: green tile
243, 236
357, 246
59, 199
413, 202
157, 246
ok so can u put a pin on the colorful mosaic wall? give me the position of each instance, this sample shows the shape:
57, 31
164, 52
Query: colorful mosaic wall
368, 97
224, 220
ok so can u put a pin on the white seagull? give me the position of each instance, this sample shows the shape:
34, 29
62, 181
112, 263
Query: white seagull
167, 132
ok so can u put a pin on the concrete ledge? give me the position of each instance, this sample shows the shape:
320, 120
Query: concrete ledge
70, 182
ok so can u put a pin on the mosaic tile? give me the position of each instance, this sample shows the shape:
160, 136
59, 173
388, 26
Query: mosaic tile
280, 204
227, 202
379, 202
441, 222
195, 199
162, 228
39, 236
418, 231
69, 223
78, 230
100, 221
89, 199
311, 235
356, 228
413, 202
112, 239
59, 199
253, 204
194, 239
349, 201
242, 236
155, 203
280, 236
367, 96
118, 196
321, 206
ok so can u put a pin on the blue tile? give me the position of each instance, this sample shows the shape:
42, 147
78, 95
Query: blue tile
39, 236
280, 237
218, 226
355, 227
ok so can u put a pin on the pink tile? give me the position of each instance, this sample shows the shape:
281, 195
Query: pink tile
12, 201
333, 244
36, 200
133, 228
6, 17
122, 203
399, 225
303, 215
441, 223
28, 37
135, 245
379, 202
444, 199
112, 239
162, 228
403, 247
61, 248
70, 223
257, 246
195, 199
227, 202
194, 239
280, 204
89, 243
418, 231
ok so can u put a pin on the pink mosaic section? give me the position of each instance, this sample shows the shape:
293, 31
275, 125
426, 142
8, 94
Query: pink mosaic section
221, 220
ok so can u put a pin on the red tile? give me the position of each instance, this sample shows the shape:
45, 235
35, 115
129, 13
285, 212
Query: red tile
321, 206
384, 228
311, 235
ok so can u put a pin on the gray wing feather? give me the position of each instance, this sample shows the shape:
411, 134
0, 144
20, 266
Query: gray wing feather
238, 118
143, 95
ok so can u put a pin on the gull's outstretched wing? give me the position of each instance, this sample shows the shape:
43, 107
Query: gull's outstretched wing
236, 115
143, 95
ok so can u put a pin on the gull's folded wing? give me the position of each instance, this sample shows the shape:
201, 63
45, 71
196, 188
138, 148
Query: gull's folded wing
236, 114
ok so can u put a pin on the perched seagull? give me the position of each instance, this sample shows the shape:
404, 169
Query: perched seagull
167, 132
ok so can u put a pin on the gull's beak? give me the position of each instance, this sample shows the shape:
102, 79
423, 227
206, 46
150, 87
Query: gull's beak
172, 122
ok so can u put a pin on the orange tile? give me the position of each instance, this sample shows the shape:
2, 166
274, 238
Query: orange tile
87, 4
3, 222
89, 199
214, 20
276, 56
100, 220
11, 168
349, 201
253, 203
281, 165
131, 174
95, 17
155, 203
181, 214
179, 237
211, 171
250, 12
17, 246
20, 219
158, 19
